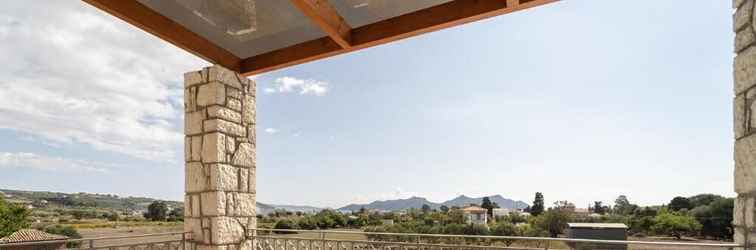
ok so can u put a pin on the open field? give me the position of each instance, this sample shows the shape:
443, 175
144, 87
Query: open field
131, 231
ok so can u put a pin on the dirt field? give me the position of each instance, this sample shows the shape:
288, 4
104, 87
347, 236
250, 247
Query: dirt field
130, 231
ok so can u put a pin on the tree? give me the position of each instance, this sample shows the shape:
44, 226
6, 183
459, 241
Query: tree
113, 216
703, 199
678, 203
674, 224
444, 208
284, 224
715, 218
537, 207
12, 218
488, 205
623, 206
425, 208
554, 221
505, 228
156, 211
599, 208
67, 231
177, 214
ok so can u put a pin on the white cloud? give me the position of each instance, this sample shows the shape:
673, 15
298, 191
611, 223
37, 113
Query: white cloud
49, 163
271, 130
288, 84
85, 77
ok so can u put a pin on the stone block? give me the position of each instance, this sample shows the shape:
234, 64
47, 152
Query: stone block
196, 148
745, 165
214, 148
223, 177
739, 116
218, 125
243, 177
187, 149
744, 38
195, 179
213, 203
193, 78
233, 93
225, 76
190, 99
745, 69
252, 180
223, 113
193, 226
187, 205
743, 213
248, 110
245, 204
737, 3
234, 104
244, 156
196, 212
212, 93
226, 230
252, 135
193, 122
742, 16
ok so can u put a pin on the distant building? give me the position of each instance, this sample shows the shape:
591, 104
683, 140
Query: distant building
475, 215
501, 212
32, 235
582, 211
387, 222
597, 231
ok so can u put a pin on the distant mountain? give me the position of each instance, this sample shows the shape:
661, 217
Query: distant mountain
81, 199
298, 208
115, 202
262, 208
463, 200
391, 205
417, 202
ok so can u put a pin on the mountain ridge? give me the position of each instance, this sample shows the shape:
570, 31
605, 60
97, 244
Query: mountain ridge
418, 202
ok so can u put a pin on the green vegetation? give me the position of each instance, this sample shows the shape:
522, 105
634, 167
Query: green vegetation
157, 211
701, 216
675, 224
12, 218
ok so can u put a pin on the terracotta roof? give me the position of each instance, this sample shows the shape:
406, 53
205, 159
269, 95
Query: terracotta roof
26, 235
475, 209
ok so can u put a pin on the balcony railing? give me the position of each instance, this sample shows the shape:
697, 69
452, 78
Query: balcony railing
279, 239
159, 241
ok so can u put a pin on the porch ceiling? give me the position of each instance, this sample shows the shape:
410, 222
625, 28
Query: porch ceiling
255, 36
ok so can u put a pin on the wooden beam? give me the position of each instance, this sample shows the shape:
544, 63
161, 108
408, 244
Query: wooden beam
325, 16
148, 20
438, 17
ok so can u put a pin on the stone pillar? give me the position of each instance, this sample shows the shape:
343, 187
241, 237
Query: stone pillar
220, 158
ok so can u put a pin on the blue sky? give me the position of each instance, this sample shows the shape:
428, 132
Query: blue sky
581, 100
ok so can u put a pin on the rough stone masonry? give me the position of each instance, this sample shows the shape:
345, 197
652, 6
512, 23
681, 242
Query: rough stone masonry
220, 158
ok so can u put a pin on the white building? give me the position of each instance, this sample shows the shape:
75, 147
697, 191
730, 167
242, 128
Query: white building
475, 215
497, 212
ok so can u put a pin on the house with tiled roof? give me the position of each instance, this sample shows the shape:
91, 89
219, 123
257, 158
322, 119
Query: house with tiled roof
42, 240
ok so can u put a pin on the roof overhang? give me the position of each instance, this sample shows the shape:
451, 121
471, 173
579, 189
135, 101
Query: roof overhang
256, 36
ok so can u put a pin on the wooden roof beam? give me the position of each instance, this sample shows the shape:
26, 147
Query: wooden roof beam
325, 16
411, 24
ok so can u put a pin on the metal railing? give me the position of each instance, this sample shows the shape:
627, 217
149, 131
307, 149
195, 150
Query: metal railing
158, 241
290, 239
